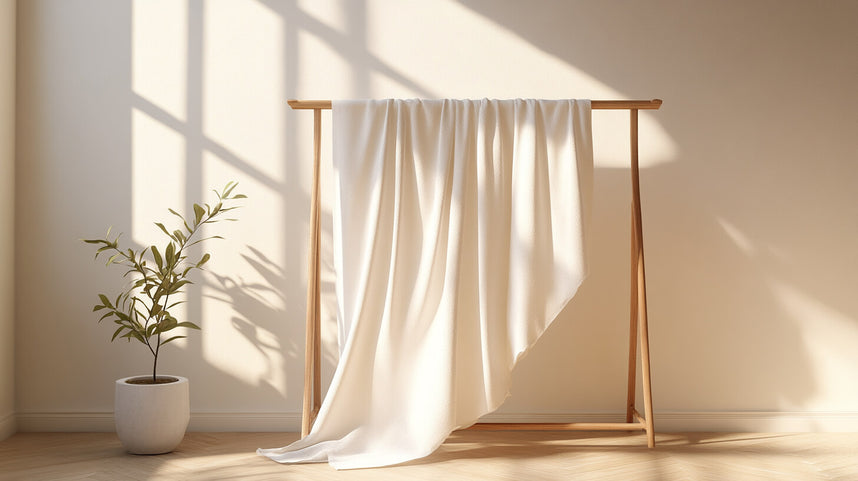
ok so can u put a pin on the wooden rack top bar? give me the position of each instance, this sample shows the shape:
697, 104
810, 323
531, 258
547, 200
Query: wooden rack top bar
653, 104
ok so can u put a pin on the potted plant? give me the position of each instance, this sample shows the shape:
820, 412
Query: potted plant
152, 411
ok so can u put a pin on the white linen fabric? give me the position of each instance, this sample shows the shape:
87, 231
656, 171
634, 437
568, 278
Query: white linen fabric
459, 236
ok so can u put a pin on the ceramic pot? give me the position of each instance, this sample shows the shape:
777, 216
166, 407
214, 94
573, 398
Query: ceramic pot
151, 418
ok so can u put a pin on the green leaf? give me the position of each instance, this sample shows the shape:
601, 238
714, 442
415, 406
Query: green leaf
160, 225
239, 196
167, 324
183, 219
112, 258
98, 307
205, 239
189, 325
174, 288
116, 333
105, 300
172, 339
229, 186
170, 254
177, 214
158, 260
205, 259
199, 212
136, 335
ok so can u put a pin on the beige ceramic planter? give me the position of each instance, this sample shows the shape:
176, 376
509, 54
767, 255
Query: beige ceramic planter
151, 418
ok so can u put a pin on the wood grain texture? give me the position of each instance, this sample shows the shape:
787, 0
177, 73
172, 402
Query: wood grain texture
466, 455
312, 360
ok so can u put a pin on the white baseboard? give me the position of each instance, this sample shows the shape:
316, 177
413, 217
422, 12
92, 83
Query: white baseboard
733, 421
65, 422
245, 422
8, 426
200, 422
758, 421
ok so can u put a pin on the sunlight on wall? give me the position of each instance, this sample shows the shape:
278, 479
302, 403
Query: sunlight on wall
830, 338
332, 70
159, 39
157, 174
739, 238
159, 64
242, 84
243, 108
254, 354
158, 183
477, 49
241, 307
329, 15
212, 113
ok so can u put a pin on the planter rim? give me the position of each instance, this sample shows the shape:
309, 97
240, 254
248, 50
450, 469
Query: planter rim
179, 380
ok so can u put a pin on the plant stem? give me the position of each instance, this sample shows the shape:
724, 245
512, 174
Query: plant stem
158, 344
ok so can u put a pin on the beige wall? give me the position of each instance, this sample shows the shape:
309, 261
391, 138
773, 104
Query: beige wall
749, 170
7, 218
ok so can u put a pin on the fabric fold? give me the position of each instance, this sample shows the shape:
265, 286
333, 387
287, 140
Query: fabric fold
459, 235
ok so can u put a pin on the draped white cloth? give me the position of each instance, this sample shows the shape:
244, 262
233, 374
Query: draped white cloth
458, 238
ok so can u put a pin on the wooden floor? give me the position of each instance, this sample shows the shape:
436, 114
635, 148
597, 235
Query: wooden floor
466, 455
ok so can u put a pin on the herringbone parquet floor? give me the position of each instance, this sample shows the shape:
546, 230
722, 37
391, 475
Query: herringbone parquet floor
467, 455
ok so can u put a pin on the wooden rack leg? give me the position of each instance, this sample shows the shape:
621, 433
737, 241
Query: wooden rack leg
640, 276
633, 325
312, 359
645, 362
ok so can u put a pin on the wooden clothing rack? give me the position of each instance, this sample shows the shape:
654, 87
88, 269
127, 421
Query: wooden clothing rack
638, 329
